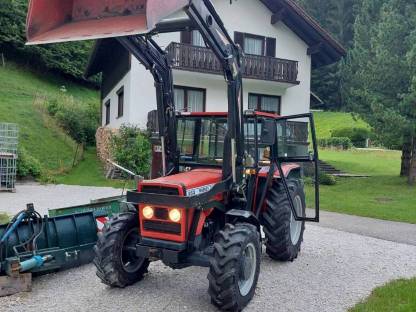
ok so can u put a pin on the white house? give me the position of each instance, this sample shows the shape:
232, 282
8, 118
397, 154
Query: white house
282, 44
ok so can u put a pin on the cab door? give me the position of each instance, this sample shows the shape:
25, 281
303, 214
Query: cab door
296, 143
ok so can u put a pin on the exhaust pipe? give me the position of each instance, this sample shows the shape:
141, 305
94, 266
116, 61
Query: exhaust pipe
50, 21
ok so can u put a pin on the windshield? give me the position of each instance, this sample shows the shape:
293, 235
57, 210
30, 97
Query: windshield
201, 140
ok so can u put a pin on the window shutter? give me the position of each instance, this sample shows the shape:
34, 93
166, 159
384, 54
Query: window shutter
271, 47
239, 39
186, 37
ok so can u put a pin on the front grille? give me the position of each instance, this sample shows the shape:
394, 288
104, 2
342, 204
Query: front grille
159, 190
163, 227
161, 213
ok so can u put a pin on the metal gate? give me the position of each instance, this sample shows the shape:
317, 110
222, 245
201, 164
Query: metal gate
8, 156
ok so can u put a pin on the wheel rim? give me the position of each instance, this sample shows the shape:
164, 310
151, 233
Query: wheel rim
131, 263
296, 226
247, 269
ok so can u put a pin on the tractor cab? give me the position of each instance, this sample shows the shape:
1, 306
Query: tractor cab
201, 139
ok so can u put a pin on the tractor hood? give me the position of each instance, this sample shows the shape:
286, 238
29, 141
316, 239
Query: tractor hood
51, 21
191, 182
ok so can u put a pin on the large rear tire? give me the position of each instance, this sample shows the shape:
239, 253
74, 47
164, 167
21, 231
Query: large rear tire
115, 259
284, 235
235, 266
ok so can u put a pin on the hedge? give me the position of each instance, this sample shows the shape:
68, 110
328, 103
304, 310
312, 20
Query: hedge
358, 136
336, 142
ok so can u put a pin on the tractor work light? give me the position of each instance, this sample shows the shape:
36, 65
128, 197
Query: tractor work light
174, 215
148, 212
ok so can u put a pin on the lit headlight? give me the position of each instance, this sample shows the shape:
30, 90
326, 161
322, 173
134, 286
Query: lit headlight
148, 212
175, 215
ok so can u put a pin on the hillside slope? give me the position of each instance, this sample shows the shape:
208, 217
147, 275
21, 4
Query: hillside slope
20, 92
326, 122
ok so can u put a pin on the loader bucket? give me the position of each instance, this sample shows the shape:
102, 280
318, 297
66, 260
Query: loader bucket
70, 20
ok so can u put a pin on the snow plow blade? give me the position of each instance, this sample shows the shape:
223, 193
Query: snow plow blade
51, 21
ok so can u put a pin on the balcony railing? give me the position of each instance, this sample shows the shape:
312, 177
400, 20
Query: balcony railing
200, 59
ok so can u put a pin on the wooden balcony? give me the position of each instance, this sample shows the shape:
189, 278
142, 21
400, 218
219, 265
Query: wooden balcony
200, 59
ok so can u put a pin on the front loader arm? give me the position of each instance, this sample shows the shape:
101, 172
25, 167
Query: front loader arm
211, 27
203, 17
155, 60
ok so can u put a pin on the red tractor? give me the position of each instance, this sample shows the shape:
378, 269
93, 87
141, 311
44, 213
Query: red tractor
224, 176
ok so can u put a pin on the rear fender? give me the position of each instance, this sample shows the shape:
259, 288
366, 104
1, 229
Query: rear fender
289, 170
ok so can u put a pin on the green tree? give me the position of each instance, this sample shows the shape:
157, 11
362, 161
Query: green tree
380, 75
66, 58
336, 16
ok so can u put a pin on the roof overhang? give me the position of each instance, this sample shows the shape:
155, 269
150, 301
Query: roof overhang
101, 54
323, 47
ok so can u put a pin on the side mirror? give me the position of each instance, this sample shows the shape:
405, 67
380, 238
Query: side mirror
268, 132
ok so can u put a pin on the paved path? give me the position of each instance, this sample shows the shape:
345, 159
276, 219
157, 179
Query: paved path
387, 230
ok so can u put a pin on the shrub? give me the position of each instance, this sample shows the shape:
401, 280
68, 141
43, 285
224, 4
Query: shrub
79, 120
4, 218
327, 179
131, 149
52, 106
27, 165
358, 136
336, 142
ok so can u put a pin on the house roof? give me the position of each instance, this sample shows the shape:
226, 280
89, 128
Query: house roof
102, 53
323, 47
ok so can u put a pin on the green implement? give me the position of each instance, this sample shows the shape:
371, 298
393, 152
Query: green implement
104, 206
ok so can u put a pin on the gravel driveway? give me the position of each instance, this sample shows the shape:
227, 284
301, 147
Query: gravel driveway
51, 196
335, 270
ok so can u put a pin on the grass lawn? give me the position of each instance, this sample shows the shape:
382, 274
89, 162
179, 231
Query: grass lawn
397, 296
384, 195
40, 135
89, 172
329, 121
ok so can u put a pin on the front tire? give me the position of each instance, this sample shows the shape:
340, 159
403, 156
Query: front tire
235, 266
115, 259
284, 235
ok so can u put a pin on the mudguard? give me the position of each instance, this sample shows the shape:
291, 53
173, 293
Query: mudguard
287, 168
237, 215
